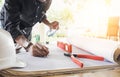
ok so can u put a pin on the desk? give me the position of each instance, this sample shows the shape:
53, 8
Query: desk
100, 73
60, 66
104, 71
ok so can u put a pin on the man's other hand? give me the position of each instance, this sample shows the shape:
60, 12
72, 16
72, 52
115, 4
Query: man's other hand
54, 25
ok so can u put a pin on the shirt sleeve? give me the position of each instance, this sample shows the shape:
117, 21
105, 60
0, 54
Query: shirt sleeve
46, 7
12, 17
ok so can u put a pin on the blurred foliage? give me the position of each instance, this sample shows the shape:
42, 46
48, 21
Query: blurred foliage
61, 13
67, 13
0, 1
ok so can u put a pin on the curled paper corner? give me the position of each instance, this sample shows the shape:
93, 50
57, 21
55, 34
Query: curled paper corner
117, 55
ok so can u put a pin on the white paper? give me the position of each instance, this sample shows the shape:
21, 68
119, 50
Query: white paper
55, 60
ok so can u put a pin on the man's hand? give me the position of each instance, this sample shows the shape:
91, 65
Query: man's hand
38, 50
51, 25
54, 25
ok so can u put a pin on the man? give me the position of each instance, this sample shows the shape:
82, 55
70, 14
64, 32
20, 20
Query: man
19, 16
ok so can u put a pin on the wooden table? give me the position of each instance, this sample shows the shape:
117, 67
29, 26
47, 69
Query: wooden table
102, 71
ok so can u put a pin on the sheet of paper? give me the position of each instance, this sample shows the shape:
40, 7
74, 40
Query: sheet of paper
55, 60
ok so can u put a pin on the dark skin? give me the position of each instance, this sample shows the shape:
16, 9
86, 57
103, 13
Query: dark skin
37, 49
42, 0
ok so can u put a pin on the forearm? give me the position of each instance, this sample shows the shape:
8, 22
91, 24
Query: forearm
51, 25
46, 22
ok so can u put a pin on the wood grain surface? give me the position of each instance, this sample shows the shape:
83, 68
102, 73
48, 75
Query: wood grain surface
99, 71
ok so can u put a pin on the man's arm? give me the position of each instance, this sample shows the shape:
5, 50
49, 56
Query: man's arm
46, 22
36, 50
12, 10
51, 25
12, 17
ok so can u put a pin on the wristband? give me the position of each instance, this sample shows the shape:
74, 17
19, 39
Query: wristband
29, 44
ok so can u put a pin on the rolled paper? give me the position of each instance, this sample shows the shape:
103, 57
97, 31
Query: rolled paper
108, 49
